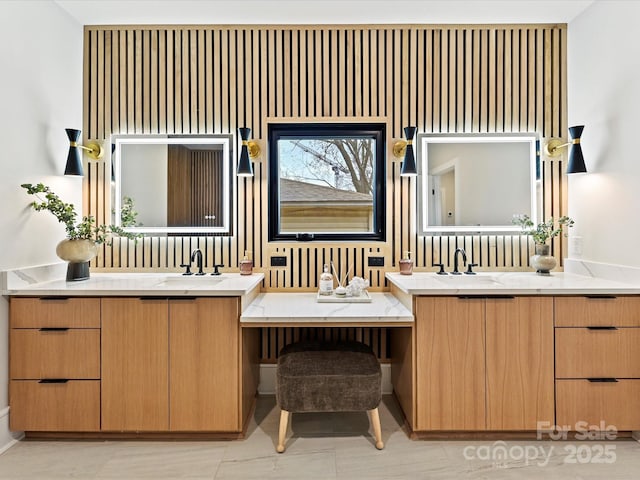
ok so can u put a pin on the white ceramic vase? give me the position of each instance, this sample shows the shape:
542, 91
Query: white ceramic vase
542, 261
78, 253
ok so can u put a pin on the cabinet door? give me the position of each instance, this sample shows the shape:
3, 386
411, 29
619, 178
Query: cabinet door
450, 388
520, 381
204, 361
135, 352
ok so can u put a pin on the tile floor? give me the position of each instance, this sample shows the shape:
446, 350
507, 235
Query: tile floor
322, 446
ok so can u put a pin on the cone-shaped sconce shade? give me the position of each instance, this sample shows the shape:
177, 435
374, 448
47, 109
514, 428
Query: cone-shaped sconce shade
244, 164
576, 160
409, 165
74, 158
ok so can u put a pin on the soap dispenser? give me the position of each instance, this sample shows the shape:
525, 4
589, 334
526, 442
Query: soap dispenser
326, 282
406, 264
246, 265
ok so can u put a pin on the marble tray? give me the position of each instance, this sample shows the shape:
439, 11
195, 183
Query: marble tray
364, 298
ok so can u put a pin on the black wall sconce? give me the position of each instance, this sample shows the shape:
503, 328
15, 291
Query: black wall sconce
249, 149
405, 148
576, 159
74, 158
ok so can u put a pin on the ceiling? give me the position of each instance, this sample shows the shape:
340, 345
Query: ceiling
238, 12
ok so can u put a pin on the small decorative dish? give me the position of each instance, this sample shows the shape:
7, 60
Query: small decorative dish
364, 298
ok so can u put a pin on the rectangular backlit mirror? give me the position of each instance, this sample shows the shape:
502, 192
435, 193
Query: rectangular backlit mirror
173, 184
477, 182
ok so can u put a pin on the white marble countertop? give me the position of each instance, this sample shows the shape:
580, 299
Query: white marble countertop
136, 284
302, 308
508, 283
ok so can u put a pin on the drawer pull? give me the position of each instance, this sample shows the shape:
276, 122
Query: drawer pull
601, 297
54, 380
53, 299
602, 380
54, 329
602, 328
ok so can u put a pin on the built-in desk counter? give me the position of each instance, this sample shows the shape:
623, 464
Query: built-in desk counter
302, 309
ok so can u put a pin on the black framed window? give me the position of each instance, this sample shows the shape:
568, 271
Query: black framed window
327, 181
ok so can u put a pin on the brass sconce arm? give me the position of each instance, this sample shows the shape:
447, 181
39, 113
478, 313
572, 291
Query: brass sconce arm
93, 149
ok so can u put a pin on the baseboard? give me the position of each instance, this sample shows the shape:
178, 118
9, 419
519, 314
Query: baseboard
636, 435
7, 438
267, 384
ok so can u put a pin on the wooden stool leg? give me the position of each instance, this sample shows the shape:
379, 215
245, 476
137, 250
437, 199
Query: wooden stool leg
282, 433
377, 431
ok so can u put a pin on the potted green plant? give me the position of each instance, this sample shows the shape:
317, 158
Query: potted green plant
542, 261
83, 237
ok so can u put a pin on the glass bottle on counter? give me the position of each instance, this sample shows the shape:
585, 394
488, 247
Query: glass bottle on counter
326, 281
246, 264
406, 264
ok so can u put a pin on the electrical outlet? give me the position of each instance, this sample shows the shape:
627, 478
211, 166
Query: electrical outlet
376, 261
279, 261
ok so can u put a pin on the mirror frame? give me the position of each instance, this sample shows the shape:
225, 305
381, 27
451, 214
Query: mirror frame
424, 139
226, 140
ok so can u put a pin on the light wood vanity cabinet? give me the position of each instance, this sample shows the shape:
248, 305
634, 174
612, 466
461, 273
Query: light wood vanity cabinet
127, 364
171, 365
598, 361
450, 352
54, 364
135, 356
483, 363
204, 368
519, 363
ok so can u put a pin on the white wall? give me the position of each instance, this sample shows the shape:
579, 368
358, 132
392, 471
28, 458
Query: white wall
40, 95
604, 95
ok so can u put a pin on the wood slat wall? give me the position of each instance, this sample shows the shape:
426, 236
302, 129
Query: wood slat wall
214, 79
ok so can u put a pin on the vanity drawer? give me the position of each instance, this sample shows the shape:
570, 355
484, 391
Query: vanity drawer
55, 312
615, 404
583, 353
37, 354
62, 407
597, 311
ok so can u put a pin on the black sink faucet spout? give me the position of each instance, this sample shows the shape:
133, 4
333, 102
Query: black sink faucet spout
197, 256
455, 260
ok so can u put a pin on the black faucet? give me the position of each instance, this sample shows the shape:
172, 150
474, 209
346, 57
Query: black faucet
455, 260
197, 256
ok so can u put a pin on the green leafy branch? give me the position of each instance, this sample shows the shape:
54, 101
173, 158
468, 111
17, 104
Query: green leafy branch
542, 232
86, 229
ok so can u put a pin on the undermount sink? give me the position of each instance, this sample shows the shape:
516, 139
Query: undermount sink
199, 281
463, 279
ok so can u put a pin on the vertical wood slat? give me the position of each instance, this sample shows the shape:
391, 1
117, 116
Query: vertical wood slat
212, 79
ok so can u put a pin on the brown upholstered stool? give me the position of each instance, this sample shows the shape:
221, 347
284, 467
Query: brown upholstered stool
328, 377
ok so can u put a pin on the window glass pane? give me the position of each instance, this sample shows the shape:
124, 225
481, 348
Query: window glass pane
326, 185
